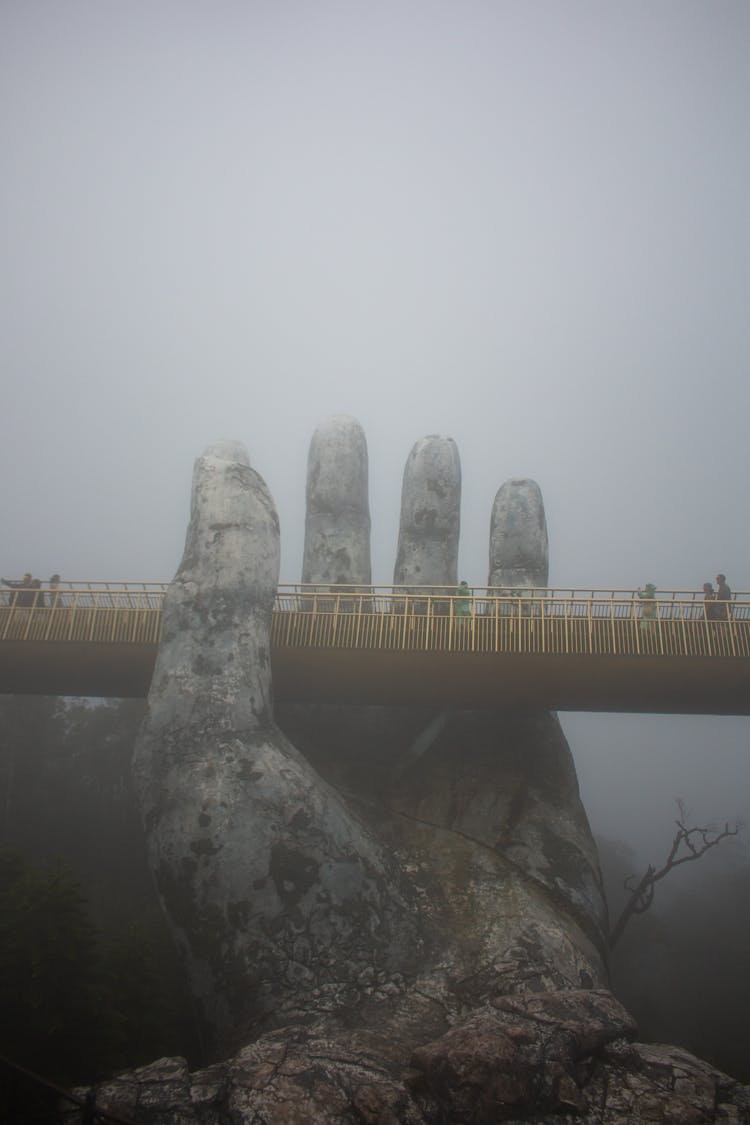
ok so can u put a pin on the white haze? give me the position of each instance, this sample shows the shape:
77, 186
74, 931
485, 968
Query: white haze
523, 224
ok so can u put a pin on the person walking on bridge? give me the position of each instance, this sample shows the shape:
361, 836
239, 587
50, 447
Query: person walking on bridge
723, 597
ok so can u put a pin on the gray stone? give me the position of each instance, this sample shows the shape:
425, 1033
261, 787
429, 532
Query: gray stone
406, 924
337, 523
430, 515
519, 552
494, 814
278, 896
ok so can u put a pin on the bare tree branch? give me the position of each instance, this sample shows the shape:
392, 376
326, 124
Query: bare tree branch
688, 844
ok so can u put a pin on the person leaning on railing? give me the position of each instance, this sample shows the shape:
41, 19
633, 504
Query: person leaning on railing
649, 610
29, 591
462, 607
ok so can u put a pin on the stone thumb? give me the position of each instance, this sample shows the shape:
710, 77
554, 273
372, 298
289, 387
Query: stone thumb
214, 658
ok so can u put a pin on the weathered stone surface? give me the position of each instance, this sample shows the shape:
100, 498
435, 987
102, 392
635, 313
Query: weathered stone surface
337, 523
494, 813
400, 910
430, 515
552, 1058
519, 1055
279, 897
519, 552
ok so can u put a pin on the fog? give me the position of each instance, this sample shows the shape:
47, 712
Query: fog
524, 225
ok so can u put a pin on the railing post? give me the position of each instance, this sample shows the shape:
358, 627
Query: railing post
590, 623
541, 622
71, 615
477, 636
730, 623
497, 624
682, 629
359, 621
566, 626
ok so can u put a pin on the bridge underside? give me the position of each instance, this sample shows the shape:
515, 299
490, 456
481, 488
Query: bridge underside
638, 684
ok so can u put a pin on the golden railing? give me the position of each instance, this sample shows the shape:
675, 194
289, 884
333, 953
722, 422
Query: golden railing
551, 621
96, 612
522, 620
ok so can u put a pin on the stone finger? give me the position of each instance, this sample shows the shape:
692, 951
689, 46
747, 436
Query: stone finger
427, 552
337, 521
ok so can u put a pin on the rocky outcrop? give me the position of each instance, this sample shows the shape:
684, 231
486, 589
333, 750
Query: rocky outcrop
551, 1058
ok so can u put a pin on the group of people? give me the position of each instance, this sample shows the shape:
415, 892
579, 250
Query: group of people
716, 602
30, 595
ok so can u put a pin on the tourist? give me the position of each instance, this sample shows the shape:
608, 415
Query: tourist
26, 596
710, 608
462, 607
649, 610
723, 597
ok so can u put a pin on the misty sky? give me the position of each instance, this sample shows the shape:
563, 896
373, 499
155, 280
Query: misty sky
522, 224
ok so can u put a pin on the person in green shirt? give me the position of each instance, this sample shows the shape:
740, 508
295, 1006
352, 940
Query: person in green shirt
462, 607
649, 611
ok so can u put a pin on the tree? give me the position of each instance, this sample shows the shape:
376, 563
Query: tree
58, 1018
688, 845
682, 971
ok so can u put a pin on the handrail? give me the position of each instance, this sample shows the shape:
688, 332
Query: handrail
623, 593
518, 621
550, 620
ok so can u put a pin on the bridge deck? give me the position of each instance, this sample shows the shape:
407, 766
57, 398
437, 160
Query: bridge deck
571, 650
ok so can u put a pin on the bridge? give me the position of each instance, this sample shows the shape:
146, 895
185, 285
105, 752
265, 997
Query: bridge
567, 650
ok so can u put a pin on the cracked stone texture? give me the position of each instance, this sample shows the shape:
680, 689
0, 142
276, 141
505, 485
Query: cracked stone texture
427, 552
337, 523
355, 888
552, 1058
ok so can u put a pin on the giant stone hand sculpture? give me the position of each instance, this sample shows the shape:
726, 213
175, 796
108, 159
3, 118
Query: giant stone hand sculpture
357, 888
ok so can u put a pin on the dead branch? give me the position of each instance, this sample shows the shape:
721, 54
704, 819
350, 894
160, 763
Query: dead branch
688, 844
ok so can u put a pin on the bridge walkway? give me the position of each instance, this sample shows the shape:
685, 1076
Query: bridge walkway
558, 649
